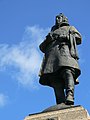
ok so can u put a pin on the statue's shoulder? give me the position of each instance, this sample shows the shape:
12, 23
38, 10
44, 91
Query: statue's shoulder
73, 29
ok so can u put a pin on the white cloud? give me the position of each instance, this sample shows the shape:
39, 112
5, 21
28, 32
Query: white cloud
24, 58
3, 100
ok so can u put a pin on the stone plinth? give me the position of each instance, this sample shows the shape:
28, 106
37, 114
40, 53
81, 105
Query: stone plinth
72, 113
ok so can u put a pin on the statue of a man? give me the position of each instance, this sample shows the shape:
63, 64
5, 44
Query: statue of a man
60, 68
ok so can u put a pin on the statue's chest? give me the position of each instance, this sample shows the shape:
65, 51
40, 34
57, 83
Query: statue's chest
62, 30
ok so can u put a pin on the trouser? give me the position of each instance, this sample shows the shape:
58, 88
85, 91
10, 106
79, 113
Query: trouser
64, 89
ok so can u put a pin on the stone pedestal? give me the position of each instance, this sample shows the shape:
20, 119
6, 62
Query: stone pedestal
71, 113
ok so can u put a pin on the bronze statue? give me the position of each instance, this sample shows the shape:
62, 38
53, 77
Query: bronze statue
60, 68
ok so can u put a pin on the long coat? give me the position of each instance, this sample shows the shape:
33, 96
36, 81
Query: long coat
60, 51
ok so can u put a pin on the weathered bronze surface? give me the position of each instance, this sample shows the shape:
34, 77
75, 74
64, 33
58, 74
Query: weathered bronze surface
60, 68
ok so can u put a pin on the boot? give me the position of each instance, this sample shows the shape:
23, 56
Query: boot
69, 86
69, 98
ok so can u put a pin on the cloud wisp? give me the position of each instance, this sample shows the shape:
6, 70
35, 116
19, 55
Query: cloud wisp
3, 100
24, 58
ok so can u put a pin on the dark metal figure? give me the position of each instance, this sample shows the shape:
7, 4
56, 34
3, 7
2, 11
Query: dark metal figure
60, 68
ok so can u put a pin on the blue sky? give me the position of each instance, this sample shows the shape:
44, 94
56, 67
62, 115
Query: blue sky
23, 26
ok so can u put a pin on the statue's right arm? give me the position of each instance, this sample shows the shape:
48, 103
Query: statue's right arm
42, 46
49, 38
46, 42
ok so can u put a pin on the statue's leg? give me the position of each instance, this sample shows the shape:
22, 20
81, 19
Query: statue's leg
59, 93
69, 85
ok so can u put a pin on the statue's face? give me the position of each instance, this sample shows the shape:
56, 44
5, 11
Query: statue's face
60, 19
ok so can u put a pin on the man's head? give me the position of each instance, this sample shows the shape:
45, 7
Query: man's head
61, 20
